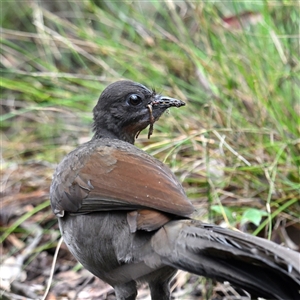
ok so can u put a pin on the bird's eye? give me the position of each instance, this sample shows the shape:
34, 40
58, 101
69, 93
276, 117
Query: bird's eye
134, 99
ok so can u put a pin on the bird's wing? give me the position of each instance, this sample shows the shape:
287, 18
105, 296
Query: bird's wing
114, 175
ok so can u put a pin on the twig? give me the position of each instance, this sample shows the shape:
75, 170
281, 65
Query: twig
231, 149
52, 268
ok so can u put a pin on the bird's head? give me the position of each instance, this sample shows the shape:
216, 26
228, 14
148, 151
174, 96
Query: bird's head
125, 108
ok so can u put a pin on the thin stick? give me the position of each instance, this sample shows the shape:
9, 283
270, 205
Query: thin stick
52, 268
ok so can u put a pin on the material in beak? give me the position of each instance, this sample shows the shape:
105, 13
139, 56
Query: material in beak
162, 102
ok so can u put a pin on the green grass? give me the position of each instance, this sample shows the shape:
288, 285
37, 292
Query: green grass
235, 144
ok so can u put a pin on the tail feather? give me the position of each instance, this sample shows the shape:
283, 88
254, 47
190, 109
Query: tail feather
261, 267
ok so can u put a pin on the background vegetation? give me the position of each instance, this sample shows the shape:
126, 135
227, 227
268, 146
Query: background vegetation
235, 146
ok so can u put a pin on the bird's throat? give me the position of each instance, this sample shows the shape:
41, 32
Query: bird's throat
124, 135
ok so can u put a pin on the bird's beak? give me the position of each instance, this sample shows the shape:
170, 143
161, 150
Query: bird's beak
157, 106
165, 102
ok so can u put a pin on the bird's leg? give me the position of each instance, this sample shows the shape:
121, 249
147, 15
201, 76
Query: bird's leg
160, 289
159, 284
126, 291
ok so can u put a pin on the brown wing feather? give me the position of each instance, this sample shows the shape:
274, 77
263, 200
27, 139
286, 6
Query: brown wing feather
118, 176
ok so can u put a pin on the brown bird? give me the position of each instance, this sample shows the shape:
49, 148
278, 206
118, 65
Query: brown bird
124, 215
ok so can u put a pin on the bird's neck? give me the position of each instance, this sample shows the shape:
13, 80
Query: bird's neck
119, 135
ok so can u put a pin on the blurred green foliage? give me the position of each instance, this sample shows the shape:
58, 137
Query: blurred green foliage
236, 64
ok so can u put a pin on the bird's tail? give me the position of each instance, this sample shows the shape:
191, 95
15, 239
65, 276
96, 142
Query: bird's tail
259, 266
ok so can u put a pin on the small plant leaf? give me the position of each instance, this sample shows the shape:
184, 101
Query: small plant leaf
218, 209
253, 215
